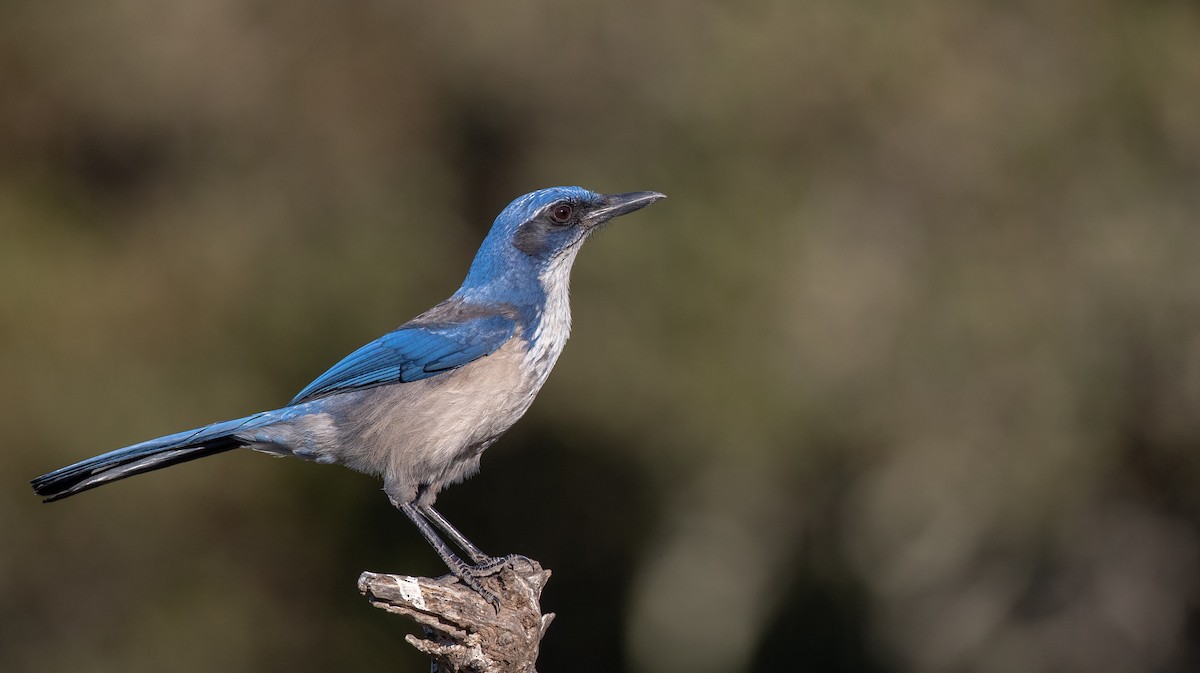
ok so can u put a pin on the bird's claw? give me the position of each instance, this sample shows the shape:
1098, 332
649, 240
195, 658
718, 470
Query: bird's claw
470, 575
494, 565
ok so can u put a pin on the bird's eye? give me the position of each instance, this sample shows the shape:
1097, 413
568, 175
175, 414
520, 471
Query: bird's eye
561, 213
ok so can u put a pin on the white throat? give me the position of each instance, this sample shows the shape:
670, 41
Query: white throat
554, 321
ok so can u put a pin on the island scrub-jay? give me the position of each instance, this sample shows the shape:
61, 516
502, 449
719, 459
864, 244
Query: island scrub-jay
419, 405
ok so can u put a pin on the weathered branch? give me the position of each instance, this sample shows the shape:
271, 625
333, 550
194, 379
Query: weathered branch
463, 632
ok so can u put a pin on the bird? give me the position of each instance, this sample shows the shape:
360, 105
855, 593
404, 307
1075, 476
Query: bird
418, 406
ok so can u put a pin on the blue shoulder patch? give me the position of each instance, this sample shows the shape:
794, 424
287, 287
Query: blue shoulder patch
411, 353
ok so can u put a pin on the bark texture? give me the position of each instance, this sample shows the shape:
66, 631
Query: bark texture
464, 633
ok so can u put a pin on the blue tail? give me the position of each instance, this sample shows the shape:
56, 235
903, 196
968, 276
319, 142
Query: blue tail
150, 455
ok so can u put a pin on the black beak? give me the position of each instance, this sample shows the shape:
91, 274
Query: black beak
616, 205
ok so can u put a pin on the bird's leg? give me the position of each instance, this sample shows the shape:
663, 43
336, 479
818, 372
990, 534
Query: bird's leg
435, 517
484, 564
465, 573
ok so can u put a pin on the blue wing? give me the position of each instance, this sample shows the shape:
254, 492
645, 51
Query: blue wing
411, 353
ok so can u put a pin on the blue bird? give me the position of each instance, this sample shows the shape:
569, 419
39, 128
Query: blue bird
419, 405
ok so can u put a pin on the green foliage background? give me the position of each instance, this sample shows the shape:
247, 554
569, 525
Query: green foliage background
904, 376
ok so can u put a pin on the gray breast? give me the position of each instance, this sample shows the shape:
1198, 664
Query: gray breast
426, 432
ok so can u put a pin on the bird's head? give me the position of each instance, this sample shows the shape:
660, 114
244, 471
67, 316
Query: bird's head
540, 233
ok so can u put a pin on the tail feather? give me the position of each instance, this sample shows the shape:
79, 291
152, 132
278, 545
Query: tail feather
146, 456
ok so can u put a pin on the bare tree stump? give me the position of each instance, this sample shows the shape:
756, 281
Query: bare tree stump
463, 632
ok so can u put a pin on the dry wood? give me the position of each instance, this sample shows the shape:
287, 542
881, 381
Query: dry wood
464, 633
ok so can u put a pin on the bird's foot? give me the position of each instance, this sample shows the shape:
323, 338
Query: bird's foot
494, 565
470, 575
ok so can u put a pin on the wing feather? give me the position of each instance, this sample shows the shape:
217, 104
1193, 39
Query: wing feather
413, 352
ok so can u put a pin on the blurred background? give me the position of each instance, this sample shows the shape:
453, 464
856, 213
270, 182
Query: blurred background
904, 376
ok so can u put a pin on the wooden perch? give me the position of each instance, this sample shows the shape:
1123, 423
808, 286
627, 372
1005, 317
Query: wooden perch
463, 632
